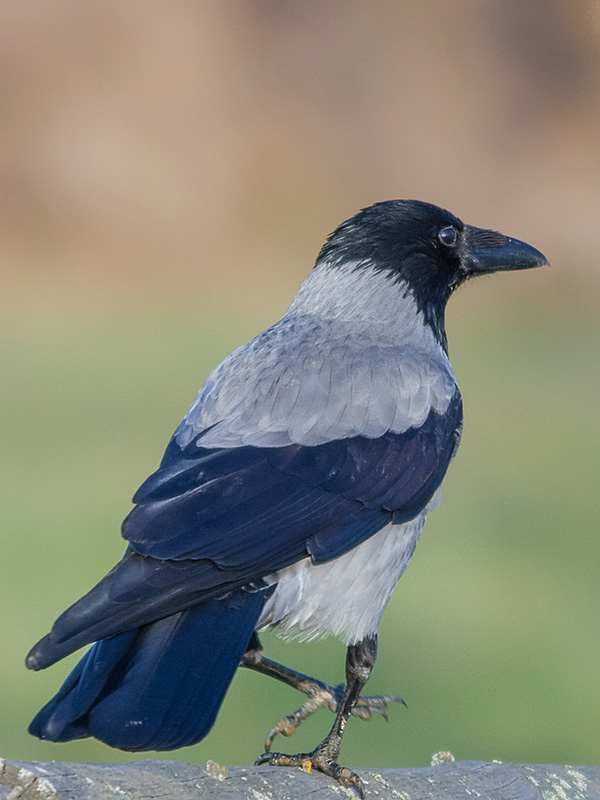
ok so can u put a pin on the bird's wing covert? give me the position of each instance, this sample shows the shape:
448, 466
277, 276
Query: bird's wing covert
253, 510
310, 382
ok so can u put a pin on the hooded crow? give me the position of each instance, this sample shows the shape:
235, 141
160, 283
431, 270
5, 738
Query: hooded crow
291, 496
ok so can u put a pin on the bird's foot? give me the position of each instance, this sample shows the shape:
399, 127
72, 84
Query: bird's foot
323, 696
320, 759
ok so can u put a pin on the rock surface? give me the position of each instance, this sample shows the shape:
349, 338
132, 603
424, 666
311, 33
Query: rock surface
175, 780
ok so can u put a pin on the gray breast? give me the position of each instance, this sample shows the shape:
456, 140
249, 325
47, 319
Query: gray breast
344, 597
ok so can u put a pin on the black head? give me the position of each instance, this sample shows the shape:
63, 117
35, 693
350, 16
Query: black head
425, 247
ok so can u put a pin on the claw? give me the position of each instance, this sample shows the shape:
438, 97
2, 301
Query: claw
346, 777
330, 697
285, 726
318, 761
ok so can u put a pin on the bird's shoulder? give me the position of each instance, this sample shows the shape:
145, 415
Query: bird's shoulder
308, 380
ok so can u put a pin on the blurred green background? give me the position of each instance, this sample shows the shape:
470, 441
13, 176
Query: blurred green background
168, 174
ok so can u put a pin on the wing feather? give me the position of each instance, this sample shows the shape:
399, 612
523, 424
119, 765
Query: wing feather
304, 442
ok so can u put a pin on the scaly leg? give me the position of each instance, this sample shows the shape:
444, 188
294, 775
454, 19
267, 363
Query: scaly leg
320, 695
359, 663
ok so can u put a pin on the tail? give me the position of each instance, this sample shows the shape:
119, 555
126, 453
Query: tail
157, 687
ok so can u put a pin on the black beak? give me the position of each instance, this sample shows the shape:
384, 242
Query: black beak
487, 251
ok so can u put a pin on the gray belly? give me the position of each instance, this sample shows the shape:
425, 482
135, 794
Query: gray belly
346, 596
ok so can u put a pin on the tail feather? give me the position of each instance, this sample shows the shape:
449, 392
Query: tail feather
64, 717
157, 687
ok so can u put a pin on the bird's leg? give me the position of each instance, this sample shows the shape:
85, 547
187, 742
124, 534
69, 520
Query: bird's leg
359, 663
320, 695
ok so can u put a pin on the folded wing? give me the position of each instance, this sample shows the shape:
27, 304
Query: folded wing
210, 521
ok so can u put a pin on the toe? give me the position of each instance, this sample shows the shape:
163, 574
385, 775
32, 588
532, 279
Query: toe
263, 759
351, 780
345, 777
367, 706
283, 760
316, 760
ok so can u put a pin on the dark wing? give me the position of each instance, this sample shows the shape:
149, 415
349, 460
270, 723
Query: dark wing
263, 508
213, 520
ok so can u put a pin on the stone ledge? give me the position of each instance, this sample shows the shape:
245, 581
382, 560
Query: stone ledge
176, 780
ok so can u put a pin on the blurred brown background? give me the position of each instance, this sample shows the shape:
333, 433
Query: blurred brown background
146, 145
168, 172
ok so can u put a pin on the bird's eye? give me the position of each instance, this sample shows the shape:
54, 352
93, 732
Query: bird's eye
448, 236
